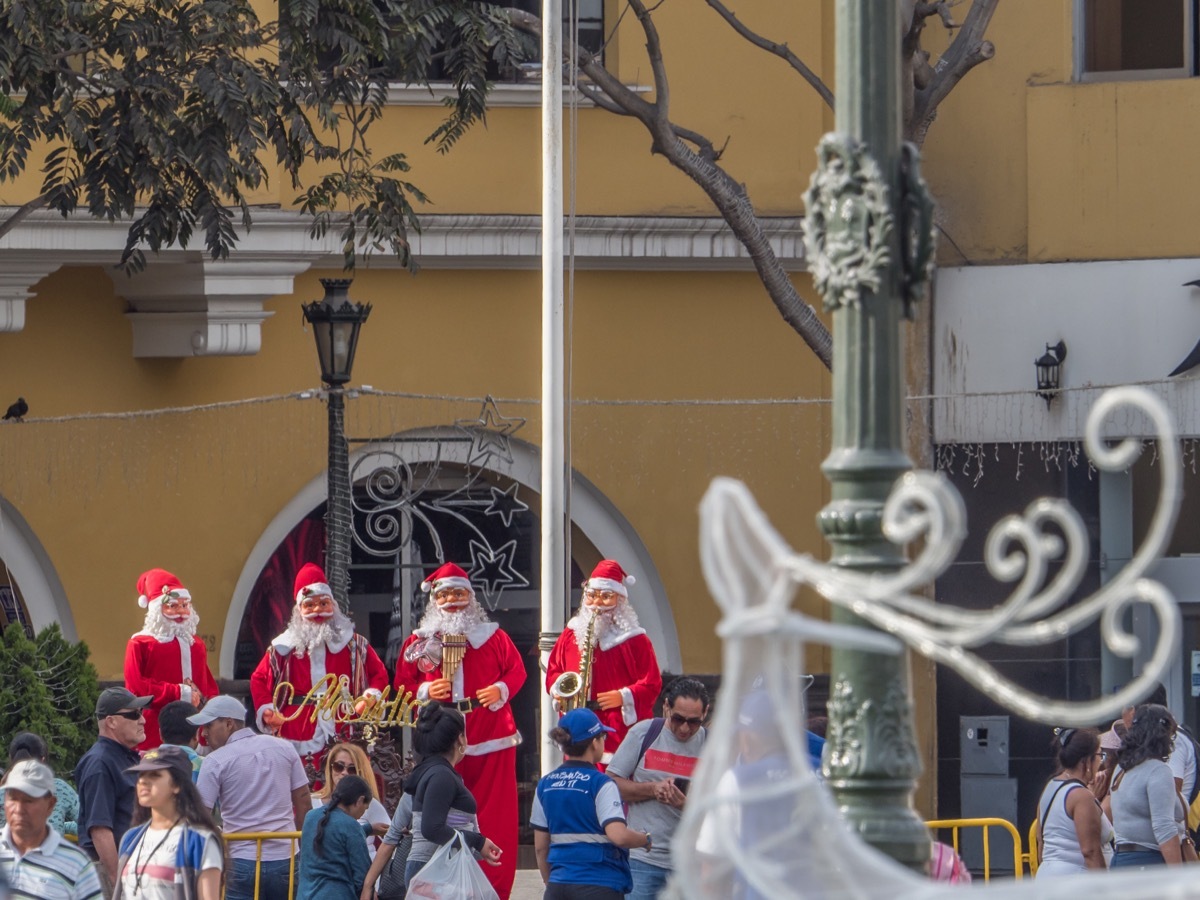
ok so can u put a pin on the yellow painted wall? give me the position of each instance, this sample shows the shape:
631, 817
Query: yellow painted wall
194, 492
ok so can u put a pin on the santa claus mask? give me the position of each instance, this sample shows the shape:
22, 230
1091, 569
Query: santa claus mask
450, 599
176, 606
317, 609
601, 601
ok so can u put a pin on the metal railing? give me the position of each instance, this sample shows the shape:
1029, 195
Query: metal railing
258, 837
954, 825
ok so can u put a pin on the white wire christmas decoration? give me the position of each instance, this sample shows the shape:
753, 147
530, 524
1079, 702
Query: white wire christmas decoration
758, 822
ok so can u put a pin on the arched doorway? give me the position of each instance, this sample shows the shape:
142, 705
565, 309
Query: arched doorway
30, 591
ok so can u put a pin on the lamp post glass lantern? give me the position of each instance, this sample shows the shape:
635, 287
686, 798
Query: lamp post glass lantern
336, 322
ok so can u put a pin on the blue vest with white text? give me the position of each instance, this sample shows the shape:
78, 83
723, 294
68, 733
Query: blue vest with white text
580, 852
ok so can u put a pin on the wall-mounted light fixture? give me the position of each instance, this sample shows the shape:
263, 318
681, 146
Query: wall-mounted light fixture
1048, 370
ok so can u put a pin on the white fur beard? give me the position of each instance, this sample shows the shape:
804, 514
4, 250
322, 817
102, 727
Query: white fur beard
160, 626
309, 635
459, 621
622, 619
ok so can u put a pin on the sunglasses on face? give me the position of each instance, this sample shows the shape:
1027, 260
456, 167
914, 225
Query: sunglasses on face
690, 721
346, 768
132, 715
606, 596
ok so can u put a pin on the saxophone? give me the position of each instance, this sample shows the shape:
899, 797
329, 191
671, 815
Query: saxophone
572, 689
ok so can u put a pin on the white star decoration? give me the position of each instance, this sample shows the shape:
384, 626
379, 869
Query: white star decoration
490, 433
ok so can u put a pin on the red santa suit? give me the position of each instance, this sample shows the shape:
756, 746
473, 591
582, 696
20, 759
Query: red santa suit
286, 660
158, 663
623, 658
622, 662
489, 769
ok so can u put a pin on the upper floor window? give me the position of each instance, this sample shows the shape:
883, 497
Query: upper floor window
1136, 39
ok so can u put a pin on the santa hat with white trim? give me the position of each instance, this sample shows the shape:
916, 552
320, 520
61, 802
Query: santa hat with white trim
154, 584
448, 576
310, 582
609, 576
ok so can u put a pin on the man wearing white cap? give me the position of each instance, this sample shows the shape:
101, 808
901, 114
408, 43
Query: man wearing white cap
487, 672
625, 678
320, 640
33, 856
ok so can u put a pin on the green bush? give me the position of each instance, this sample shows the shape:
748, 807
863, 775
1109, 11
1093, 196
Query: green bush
48, 686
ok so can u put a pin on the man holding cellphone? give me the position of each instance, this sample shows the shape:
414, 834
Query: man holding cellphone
652, 769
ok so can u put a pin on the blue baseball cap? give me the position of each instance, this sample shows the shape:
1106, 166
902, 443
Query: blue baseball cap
583, 725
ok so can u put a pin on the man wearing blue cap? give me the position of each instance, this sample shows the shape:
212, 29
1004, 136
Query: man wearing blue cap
580, 837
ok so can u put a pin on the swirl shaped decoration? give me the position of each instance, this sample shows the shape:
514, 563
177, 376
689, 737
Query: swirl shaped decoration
331, 695
758, 821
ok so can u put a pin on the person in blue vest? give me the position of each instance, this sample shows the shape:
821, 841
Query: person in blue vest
580, 837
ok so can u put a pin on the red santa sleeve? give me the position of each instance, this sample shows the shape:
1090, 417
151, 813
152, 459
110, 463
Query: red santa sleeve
202, 675
638, 697
139, 677
511, 666
557, 663
262, 689
377, 676
408, 676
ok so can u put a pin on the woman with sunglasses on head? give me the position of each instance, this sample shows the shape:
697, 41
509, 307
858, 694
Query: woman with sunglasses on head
350, 759
1148, 813
333, 858
1071, 828
176, 846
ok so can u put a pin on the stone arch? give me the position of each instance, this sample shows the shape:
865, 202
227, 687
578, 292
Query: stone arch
30, 567
591, 512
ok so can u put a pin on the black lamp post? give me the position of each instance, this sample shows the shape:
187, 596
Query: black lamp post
1048, 370
336, 321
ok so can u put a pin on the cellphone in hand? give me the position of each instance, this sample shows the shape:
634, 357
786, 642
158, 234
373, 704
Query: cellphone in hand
682, 784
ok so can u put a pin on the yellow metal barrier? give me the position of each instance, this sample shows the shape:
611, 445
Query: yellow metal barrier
258, 837
955, 824
1031, 855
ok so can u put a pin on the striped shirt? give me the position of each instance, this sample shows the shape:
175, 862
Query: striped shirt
54, 871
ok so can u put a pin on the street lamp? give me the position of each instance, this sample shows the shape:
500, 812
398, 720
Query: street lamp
1048, 370
336, 321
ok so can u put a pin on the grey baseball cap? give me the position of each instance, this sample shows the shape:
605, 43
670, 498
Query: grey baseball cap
221, 706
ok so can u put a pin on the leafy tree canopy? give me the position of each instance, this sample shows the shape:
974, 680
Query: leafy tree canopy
168, 112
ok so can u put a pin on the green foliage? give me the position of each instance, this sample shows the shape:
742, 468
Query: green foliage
48, 686
168, 112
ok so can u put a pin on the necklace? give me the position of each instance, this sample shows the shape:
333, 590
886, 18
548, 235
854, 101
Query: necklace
137, 864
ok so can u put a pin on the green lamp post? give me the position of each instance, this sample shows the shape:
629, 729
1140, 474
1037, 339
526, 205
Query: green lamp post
869, 240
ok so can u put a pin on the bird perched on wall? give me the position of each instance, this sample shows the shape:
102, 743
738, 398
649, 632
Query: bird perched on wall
18, 410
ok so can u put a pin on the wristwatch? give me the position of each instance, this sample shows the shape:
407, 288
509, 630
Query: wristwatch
649, 843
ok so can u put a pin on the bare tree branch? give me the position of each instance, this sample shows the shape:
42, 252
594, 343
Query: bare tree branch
780, 50
21, 213
966, 51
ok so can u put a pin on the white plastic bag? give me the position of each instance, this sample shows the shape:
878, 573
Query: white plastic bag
452, 874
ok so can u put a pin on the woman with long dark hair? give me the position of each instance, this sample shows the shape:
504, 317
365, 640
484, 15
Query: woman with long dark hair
441, 803
579, 833
1071, 827
333, 855
1147, 812
174, 839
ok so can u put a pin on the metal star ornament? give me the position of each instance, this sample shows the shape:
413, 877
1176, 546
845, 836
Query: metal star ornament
505, 504
490, 433
493, 570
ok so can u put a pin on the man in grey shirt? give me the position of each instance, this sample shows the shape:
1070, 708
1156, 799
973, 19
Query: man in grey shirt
652, 769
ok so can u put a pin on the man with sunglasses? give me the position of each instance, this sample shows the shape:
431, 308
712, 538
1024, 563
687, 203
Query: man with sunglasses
106, 789
652, 770
166, 659
626, 680
320, 640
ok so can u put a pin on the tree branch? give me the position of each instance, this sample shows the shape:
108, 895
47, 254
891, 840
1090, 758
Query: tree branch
21, 213
966, 51
780, 50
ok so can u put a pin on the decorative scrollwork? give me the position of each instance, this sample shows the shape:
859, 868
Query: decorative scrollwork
849, 223
918, 232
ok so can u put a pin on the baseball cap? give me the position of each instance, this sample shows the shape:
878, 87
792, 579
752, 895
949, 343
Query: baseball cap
165, 757
112, 700
30, 777
583, 725
221, 706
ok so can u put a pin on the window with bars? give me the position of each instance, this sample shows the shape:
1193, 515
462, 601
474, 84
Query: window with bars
1136, 38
